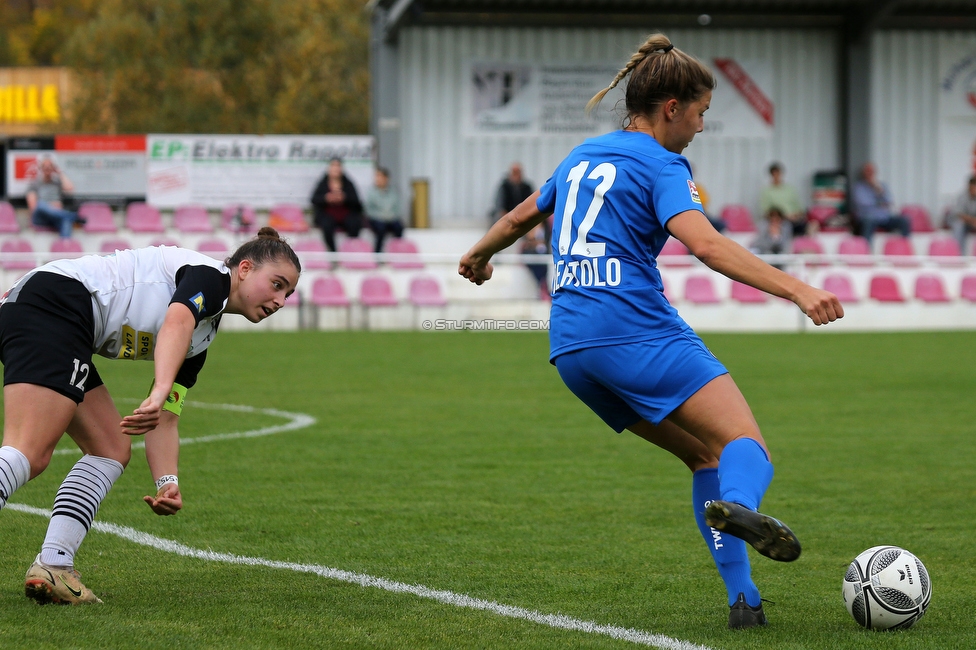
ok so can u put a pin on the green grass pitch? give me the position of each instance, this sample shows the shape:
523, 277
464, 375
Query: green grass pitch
459, 461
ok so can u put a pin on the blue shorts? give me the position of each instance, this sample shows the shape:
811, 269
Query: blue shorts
624, 384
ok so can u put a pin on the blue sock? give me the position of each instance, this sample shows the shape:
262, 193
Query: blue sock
744, 472
728, 552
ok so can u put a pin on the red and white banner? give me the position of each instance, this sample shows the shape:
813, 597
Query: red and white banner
747, 88
741, 104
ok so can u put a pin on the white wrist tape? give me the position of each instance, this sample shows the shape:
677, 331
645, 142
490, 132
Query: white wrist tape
163, 480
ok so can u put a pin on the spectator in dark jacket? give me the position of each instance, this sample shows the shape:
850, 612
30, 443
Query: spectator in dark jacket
336, 205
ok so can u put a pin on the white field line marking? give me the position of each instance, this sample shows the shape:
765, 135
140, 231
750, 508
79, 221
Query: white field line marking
447, 597
295, 421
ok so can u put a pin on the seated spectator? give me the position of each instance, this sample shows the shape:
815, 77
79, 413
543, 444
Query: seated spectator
783, 198
513, 190
44, 199
775, 235
383, 208
872, 206
336, 205
536, 242
962, 217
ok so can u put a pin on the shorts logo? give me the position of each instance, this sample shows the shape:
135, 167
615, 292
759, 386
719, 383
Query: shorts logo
197, 301
693, 189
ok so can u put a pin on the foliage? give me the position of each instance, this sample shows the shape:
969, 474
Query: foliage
202, 66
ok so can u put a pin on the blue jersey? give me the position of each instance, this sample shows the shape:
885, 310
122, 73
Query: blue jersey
611, 198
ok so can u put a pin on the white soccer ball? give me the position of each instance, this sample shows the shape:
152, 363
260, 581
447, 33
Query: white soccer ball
887, 588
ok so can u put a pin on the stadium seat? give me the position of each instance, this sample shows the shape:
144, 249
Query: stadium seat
700, 290
365, 258
238, 217
409, 254
98, 217
8, 218
854, 245
23, 253
841, 286
738, 218
746, 294
327, 291
192, 218
164, 241
930, 288
804, 245
426, 292
919, 218
376, 291
678, 252
884, 288
62, 248
109, 246
142, 217
824, 216
216, 248
968, 288
899, 251
947, 249
288, 217
312, 252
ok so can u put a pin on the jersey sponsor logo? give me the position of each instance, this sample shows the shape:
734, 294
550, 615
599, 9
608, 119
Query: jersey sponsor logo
197, 301
693, 190
136, 345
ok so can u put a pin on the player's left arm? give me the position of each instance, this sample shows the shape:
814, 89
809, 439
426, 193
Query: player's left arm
724, 255
506, 231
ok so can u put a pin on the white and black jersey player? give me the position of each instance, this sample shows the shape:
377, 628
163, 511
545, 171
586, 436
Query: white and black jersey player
161, 304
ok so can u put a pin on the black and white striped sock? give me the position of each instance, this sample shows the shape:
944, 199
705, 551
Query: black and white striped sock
75, 507
14, 472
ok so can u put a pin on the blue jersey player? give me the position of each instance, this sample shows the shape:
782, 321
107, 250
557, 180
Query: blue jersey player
617, 342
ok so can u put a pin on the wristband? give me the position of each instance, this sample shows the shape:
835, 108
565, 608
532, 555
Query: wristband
163, 480
174, 403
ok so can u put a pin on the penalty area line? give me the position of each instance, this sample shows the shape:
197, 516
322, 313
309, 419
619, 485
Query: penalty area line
557, 621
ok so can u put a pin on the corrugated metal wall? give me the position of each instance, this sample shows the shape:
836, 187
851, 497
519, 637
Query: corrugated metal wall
464, 170
905, 92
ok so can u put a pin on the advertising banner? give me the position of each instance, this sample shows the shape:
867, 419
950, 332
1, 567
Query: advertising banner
217, 170
103, 167
957, 123
741, 106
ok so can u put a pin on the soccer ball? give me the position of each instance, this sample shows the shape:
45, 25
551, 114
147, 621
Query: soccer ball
887, 588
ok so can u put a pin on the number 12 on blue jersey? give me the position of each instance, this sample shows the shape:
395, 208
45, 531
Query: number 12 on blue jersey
565, 242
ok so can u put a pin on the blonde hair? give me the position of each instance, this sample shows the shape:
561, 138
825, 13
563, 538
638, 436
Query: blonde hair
658, 72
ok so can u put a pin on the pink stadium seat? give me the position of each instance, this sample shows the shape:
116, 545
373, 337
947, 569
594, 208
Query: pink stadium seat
679, 253
853, 245
841, 286
968, 288
807, 246
738, 218
192, 218
312, 252
409, 254
746, 294
216, 248
238, 217
327, 291
930, 288
426, 292
919, 218
142, 217
66, 248
361, 247
98, 216
376, 291
884, 288
109, 246
700, 290
164, 241
288, 217
821, 215
23, 252
899, 251
8, 218
947, 249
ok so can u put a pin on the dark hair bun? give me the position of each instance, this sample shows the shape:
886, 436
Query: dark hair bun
269, 233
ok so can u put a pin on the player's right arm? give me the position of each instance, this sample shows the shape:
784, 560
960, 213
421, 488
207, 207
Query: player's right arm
506, 231
163, 454
724, 255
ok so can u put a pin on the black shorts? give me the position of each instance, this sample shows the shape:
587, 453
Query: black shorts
46, 335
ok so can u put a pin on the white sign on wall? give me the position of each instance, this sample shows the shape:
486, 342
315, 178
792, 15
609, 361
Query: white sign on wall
741, 105
957, 123
217, 170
